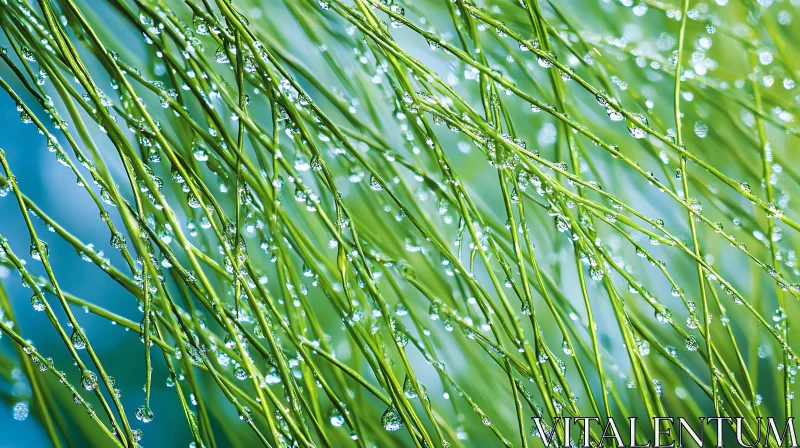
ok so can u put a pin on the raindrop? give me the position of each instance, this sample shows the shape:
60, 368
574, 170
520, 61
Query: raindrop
700, 129
374, 184
634, 129
144, 414
37, 303
35, 254
336, 418
88, 380
408, 388
78, 340
200, 25
221, 56
390, 420
21, 411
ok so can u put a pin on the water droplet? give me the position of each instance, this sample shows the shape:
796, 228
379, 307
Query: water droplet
390, 420
408, 388
200, 25
88, 380
691, 344
78, 340
596, 273
336, 418
144, 413
221, 56
664, 316
21, 411
634, 129
199, 154
700, 129
34, 251
27, 54
37, 303
375, 184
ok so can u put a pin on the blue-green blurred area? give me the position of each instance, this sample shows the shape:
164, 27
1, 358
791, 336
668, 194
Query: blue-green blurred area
54, 189
15, 432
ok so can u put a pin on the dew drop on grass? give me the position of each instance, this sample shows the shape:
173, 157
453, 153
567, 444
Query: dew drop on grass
199, 154
145, 20
258, 331
144, 413
239, 372
613, 114
301, 164
27, 54
596, 273
221, 56
336, 418
546, 62
192, 200
433, 312
700, 129
643, 347
401, 338
37, 303
634, 129
34, 251
273, 377
78, 340
88, 380
691, 344
21, 411
244, 415
657, 387
565, 346
375, 184
200, 25
664, 316
390, 420
408, 388
118, 241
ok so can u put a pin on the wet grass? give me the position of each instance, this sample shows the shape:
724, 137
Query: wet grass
380, 223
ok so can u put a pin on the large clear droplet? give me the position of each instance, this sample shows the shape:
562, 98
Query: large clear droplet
390, 420
78, 340
144, 414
